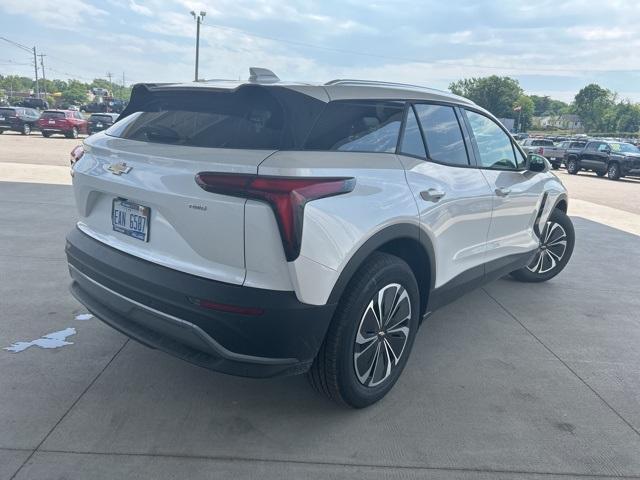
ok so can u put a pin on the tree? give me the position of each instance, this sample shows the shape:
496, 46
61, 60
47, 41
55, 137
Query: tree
548, 106
524, 117
75, 93
496, 94
592, 104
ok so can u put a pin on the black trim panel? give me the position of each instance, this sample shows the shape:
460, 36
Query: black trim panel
286, 331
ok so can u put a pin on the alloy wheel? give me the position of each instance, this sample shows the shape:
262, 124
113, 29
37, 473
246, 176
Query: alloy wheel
553, 244
382, 335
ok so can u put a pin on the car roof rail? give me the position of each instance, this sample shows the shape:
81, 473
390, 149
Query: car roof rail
262, 75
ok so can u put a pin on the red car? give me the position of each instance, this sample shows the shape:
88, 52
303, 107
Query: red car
65, 122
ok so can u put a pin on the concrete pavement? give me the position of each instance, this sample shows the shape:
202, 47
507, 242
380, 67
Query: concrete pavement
511, 381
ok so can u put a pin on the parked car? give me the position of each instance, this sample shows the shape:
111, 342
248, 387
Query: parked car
557, 155
614, 159
545, 148
65, 122
263, 228
18, 119
37, 103
101, 121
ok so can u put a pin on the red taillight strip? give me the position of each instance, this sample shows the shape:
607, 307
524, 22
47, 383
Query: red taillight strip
224, 307
287, 196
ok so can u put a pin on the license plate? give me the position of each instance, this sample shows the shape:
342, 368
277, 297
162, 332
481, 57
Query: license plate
98, 125
52, 122
130, 219
553, 158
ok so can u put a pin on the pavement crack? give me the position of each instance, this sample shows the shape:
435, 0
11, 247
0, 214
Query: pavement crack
566, 365
64, 415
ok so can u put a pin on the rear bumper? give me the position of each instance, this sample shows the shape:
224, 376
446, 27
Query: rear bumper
150, 304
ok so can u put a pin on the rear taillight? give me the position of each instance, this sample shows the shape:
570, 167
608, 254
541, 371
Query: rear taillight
76, 154
287, 196
540, 151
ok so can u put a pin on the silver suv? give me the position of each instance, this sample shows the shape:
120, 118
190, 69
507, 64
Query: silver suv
266, 228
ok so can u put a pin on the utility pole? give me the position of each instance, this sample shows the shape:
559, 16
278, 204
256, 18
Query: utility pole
198, 19
44, 79
123, 87
35, 64
110, 82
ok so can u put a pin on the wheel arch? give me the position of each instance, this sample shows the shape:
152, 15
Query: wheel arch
403, 241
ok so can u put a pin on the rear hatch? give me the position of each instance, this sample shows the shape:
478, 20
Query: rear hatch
98, 122
53, 120
135, 185
7, 117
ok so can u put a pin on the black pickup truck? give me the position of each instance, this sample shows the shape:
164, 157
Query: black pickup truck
614, 159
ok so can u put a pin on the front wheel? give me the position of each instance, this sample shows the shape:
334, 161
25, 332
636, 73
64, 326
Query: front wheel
572, 166
556, 246
46, 134
601, 173
555, 166
371, 335
26, 129
613, 172
73, 133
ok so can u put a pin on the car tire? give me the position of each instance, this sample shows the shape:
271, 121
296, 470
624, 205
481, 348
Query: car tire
26, 129
1, 132
361, 357
46, 134
613, 171
601, 174
557, 240
572, 166
555, 166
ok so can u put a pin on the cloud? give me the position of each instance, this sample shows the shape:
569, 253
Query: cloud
141, 9
59, 13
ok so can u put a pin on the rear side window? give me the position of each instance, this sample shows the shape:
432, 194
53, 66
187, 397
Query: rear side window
445, 143
412, 143
542, 143
7, 112
252, 117
494, 145
357, 126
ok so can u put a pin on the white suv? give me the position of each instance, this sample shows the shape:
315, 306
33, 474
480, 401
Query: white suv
266, 228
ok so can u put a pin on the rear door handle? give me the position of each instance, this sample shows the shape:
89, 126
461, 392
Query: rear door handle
432, 195
502, 191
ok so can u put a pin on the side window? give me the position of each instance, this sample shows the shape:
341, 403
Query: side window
357, 126
592, 146
602, 147
442, 133
521, 160
494, 145
412, 143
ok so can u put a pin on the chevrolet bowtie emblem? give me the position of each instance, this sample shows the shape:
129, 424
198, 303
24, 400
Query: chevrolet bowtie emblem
119, 168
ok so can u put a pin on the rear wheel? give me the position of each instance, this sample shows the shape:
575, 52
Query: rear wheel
371, 335
613, 172
73, 133
572, 166
556, 246
26, 129
46, 134
555, 166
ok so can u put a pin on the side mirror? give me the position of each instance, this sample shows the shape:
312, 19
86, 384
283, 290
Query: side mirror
537, 163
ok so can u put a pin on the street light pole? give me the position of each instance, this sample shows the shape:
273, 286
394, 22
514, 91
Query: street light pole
198, 18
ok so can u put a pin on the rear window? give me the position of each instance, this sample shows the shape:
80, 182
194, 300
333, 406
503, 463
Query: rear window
357, 126
53, 115
251, 117
542, 143
102, 118
7, 112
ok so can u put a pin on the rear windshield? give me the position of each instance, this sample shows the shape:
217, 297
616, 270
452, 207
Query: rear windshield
53, 115
542, 143
251, 117
7, 112
102, 118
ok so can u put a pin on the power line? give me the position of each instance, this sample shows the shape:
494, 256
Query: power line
404, 59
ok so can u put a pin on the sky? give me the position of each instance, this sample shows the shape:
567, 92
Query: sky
553, 47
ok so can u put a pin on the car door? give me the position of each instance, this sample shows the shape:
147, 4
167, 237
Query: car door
517, 192
454, 199
590, 155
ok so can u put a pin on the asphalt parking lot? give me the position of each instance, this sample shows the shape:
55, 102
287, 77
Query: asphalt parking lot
512, 381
